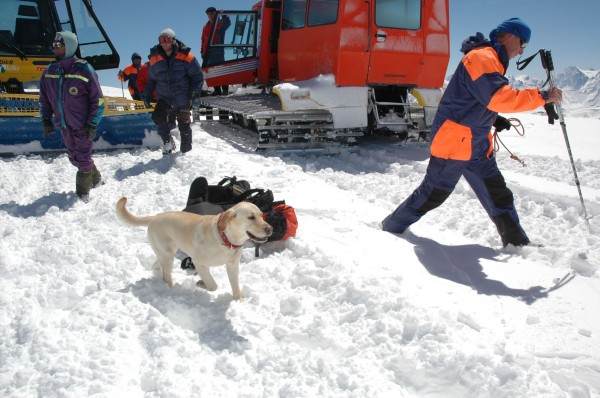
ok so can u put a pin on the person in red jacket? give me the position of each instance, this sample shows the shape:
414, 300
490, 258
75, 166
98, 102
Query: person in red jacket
462, 144
130, 73
142, 78
214, 55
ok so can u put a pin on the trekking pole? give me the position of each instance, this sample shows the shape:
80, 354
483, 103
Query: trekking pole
548, 64
122, 90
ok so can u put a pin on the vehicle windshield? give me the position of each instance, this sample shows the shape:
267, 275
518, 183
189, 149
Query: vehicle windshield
25, 28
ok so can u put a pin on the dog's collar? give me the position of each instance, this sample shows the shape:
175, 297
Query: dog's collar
226, 241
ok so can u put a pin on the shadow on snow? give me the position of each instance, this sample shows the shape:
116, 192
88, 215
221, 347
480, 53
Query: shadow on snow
461, 264
62, 200
161, 165
193, 309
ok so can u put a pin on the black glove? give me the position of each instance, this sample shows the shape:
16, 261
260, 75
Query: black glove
196, 97
502, 123
551, 112
90, 129
47, 127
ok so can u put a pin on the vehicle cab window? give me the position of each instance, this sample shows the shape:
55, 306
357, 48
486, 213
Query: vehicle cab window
322, 12
294, 14
401, 14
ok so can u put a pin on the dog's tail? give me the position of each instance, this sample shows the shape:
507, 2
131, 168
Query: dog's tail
128, 218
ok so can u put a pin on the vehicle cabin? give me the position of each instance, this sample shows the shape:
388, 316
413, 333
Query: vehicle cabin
401, 43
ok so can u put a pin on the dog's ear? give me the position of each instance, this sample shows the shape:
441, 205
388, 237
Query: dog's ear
225, 219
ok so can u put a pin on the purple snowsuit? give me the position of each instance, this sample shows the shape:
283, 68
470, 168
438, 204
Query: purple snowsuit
70, 91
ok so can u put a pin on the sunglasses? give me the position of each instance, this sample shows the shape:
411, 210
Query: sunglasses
165, 39
58, 44
523, 43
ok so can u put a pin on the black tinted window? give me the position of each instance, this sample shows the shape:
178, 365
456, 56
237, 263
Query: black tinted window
294, 13
403, 14
321, 12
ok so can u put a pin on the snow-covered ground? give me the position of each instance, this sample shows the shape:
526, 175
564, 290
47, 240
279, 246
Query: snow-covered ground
116, 92
343, 310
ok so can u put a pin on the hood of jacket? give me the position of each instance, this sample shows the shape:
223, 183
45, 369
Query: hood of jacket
178, 46
478, 40
71, 43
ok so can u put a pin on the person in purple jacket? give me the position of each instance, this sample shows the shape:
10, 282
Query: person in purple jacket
71, 100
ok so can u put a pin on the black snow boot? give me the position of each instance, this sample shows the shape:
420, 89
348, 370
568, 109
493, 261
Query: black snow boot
83, 184
510, 231
96, 177
168, 146
186, 137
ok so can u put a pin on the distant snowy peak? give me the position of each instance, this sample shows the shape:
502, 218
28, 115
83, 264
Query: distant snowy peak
522, 81
574, 78
581, 88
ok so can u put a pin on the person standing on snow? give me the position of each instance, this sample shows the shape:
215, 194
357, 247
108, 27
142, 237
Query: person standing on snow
142, 78
176, 76
130, 74
69, 91
214, 55
462, 143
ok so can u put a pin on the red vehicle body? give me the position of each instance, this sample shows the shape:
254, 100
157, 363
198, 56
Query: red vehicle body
288, 40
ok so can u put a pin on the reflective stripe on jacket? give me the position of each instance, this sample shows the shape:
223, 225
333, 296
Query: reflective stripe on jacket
476, 93
69, 91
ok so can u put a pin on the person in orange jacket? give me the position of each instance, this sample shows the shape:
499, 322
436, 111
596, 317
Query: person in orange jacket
130, 73
462, 143
215, 55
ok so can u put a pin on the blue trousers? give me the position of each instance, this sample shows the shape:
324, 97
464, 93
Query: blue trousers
442, 175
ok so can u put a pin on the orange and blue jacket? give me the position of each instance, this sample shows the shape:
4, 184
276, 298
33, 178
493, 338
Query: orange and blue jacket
176, 77
477, 91
130, 76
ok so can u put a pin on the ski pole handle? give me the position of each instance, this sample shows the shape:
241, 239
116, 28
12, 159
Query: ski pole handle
547, 62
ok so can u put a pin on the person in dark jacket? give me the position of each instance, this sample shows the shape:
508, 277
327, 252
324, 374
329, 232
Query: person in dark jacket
130, 75
214, 55
176, 76
462, 143
71, 99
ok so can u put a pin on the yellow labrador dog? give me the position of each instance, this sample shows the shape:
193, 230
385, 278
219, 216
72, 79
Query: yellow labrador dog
208, 240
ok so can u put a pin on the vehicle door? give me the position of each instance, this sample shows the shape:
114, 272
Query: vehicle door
232, 53
409, 42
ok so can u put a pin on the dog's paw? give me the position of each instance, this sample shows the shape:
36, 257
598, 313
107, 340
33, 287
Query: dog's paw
201, 284
238, 296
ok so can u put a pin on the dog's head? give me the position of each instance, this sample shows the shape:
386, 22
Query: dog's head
244, 221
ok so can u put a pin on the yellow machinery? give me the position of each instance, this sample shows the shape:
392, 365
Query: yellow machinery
27, 28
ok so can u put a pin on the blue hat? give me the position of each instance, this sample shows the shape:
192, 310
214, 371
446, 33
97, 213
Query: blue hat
514, 26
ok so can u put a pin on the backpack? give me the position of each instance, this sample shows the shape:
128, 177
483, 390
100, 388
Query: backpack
214, 199
283, 220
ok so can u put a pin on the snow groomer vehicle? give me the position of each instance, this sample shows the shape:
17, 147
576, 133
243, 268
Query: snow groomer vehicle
330, 71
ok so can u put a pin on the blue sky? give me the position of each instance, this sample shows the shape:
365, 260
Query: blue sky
569, 28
